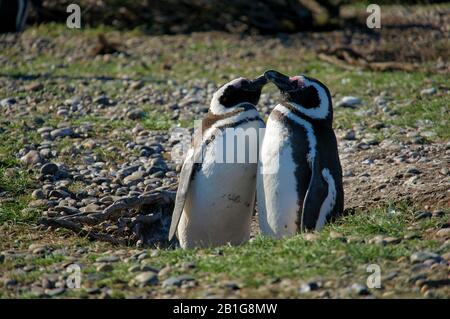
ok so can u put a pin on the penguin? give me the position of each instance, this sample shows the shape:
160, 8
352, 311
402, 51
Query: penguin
215, 199
299, 183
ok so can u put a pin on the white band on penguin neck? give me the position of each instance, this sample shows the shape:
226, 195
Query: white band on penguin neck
320, 112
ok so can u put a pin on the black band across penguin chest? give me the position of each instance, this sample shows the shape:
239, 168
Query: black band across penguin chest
300, 146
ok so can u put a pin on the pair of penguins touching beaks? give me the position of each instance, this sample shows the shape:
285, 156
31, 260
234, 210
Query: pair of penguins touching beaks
297, 178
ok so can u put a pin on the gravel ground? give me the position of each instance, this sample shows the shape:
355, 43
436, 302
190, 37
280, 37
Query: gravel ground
82, 132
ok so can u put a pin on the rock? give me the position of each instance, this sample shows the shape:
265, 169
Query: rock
349, 101
413, 171
445, 256
62, 132
422, 215
336, 235
37, 248
146, 278
134, 268
177, 281
102, 100
9, 101
392, 240
105, 267
438, 213
360, 289
350, 135
38, 194
134, 178
107, 259
421, 256
231, 285
49, 169
308, 287
59, 193
34, 87
7, 282
311, 236
55, 292
31, 158
443, 233
135, 114
68, 210
428, 91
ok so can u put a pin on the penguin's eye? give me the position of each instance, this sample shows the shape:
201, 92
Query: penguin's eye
306, 96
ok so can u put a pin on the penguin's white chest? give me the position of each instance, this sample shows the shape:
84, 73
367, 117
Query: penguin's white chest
220, 200
277, 189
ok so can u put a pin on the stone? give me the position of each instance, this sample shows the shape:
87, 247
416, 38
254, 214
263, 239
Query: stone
349, 101
350, 135
68, 210
107, 259
104, 267
55, 292
135, 114
62, 132
443, 233
134, 178
146, 278
421, 256
360, 289
31, 158
177, 281
38, 194
34, 87
9, 101
428, 91
102, 100
422, 215
49, 169
308, 287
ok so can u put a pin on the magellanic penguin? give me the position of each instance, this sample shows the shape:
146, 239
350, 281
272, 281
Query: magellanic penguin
216, 193
299, 183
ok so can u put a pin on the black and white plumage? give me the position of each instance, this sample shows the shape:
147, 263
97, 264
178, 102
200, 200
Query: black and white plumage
299, 184
215, 197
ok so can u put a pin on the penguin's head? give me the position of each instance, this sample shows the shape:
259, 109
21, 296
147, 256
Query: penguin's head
236, 92
309, 96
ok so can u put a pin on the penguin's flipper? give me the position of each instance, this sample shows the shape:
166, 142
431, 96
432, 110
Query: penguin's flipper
183, 187
315, 196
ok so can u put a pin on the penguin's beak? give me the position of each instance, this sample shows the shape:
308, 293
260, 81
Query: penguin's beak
258, 83
282, 81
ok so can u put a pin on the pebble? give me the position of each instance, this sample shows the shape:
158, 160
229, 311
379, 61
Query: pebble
177, 281
49, 169
428, 91
62, 132
443, 233
360, 289
146, 278
422, 215
349, 101
421, 256
31, 158
107, 259
308, 287
55, 292
135, 114
350, 135
38, 194
9, 101
105, 267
